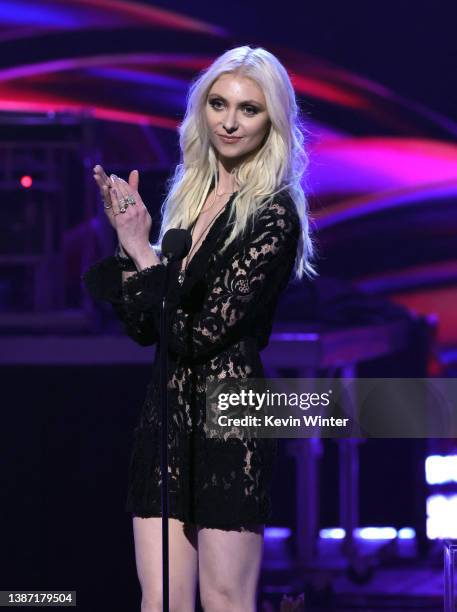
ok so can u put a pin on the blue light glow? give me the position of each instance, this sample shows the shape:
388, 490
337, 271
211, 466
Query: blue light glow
277, 533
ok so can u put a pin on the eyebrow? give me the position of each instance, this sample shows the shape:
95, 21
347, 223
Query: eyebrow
244, 101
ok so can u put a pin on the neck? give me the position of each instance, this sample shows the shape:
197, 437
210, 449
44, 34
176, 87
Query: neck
226, 168
226, 179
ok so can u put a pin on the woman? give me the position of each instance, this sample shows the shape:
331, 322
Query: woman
238, 189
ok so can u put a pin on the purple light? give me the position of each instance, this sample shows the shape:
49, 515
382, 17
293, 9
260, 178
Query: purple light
369, 533
393, 199
277, 533
294, 336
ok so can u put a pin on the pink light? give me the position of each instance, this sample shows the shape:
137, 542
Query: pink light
389, 199
26, 181
371, 164
330, 92
155, 16
51, 67
55, 105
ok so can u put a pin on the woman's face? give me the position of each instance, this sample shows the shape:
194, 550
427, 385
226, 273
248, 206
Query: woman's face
237, 116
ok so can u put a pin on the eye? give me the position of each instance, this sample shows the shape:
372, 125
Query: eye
214, 103
249, 110
252, 110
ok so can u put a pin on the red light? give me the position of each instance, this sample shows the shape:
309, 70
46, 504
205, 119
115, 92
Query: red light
26, 181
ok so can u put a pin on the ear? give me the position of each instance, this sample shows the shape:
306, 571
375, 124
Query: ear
134, 180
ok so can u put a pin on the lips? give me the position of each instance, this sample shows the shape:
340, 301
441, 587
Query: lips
229, 138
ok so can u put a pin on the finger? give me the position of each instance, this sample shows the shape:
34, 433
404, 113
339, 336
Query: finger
98, 174
115, 201
101, 185
99, 181
134, 179
121, 186
106, 195
120, 193
104, 189
129, 190
103, 178
124, 190
99, 170
106, 179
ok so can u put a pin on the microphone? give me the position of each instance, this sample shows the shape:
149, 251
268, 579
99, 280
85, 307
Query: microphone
176, 243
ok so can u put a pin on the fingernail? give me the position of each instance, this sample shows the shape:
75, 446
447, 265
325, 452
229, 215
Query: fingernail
113, 177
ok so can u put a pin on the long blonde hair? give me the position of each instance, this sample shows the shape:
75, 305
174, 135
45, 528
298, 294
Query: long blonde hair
277, 166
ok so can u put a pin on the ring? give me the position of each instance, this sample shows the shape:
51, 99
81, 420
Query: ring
123, 205
106, 207
130, 199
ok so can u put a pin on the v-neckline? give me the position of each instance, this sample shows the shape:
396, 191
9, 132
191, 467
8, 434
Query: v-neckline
209, 233
208, 245
211, 224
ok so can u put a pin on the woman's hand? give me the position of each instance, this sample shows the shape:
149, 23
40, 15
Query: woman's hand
133, 230
132, 220
105, 184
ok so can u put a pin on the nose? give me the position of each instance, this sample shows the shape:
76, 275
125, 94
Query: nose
230, 124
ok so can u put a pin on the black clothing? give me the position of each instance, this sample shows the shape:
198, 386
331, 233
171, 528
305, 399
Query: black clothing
219, 320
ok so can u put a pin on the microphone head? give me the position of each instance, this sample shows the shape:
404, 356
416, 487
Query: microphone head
176, 243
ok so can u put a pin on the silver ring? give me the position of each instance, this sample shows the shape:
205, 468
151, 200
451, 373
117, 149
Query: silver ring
130, 199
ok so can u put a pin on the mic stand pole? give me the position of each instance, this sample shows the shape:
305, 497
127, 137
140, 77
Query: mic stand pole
163, 356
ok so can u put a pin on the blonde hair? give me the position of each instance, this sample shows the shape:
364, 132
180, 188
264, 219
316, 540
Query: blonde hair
278, 165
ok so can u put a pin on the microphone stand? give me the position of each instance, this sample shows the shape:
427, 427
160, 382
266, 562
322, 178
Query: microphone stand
176, 244
163, 373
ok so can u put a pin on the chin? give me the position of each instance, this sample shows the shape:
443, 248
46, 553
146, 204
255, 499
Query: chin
230, 152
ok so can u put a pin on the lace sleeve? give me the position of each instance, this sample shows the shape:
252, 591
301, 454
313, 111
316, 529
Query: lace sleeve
246, 279
201, 327
104, 282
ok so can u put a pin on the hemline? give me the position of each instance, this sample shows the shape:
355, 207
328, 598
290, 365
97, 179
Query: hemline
245, 526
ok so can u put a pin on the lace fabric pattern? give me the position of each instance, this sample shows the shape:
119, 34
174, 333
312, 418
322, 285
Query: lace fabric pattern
218, 321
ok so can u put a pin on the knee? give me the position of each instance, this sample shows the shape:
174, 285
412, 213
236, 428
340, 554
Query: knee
150, 605
153, 603
225, 600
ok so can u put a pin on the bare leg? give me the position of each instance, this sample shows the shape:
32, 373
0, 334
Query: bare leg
229, 566
183, 563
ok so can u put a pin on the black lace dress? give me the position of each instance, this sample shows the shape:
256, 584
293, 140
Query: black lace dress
219, 320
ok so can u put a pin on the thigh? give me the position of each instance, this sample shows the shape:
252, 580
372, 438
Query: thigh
229, 566
183, 562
